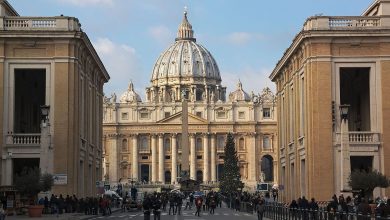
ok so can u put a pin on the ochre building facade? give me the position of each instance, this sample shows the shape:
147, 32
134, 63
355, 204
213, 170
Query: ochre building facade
142, 139
50, 61
334, 61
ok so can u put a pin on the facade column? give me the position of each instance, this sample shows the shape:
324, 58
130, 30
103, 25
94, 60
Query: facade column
174, 159
154, 158
213, 159
192, 157
134, 173
206, 158
252, 157
161, 176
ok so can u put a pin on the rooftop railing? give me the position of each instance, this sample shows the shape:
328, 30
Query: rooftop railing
345, 22
61, 23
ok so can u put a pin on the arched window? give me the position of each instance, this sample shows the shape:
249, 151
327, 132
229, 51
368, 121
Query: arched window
241, 144
199, 176
124, 145
167, 144
267, 168
167, 177
198, 144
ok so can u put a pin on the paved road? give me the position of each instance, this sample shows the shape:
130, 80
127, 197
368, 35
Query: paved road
220, 214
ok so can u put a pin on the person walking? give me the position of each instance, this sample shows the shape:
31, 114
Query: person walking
2, 212
171, 205
146, 205
213, 204
179, 203
187, 201
157, 208
198, 204
260, 207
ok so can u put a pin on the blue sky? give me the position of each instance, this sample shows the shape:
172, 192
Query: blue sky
246, 37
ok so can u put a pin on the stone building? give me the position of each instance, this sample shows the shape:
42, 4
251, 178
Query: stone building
332, 62
50, 61
142, 139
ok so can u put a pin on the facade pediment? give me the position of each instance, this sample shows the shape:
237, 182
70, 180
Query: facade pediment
176, 119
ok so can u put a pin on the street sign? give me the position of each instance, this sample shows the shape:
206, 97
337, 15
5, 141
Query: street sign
60, 179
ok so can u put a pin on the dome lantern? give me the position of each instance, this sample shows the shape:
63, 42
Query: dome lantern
185, 31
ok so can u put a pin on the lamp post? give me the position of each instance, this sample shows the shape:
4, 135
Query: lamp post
46, 157
345, 151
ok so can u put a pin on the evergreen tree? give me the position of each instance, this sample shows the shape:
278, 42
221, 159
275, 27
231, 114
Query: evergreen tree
367, 181
231, 179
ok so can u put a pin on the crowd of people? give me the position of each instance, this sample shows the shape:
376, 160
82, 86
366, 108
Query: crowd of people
156, 202
343, 207
71, 204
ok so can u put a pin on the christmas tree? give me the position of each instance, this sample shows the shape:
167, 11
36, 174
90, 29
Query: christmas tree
231, 179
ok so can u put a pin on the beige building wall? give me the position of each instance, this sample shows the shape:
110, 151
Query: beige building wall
74, 91
308, 90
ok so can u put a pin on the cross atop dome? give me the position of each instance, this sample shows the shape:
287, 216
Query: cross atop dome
185, 31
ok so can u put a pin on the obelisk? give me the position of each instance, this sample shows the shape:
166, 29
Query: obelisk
185, 168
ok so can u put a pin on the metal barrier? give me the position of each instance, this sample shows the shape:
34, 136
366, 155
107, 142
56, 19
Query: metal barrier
281, 212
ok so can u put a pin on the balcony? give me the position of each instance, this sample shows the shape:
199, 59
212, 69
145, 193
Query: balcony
345, 23
61, 23
361, 138
144, 151
23, 139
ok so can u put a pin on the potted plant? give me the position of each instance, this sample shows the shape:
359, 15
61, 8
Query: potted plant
29, 183
366, 182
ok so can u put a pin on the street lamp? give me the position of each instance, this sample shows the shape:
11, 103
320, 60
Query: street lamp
45, 110
344, 111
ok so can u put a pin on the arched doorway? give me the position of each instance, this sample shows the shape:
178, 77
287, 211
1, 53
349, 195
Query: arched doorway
267, 168
199, 176
167, 177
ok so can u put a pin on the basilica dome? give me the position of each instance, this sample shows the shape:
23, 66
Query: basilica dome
185, 62
239, 94
130, 96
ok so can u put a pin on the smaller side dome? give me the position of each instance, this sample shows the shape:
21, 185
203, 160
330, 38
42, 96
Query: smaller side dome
239, 94
130, 96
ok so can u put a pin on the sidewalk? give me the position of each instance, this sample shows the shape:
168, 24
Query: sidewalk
65, 216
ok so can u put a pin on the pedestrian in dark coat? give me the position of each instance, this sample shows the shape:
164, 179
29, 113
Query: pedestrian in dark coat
260, 207
198, 204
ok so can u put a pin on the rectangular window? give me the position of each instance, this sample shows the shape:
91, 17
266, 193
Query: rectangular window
167, 114
241, 115
221, 114
124, 158
167, 157
266, 143
266, 113
125, 116
144, 157
199, 157
199, 114
144, 115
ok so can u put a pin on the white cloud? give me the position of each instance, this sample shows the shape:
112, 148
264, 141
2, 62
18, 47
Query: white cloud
252, 80
122, 64
87, 2
242, 38
161, 34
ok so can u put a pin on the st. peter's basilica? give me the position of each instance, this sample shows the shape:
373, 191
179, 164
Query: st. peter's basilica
142, 139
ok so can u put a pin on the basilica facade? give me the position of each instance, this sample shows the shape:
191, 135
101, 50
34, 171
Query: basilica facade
142, 139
